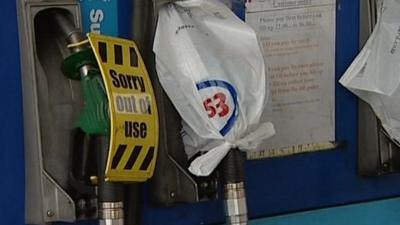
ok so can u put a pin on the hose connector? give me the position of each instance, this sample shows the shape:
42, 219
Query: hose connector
111, 213
232, 169
235, 204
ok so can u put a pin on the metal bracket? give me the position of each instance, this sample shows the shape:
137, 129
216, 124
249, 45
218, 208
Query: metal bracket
58, 206
46, 141
378, 154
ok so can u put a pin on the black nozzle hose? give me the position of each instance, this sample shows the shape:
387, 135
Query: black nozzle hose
71, 33
232, 167
107, 192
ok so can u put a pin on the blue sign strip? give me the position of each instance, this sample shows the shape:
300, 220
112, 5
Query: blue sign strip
369, 213
100, 16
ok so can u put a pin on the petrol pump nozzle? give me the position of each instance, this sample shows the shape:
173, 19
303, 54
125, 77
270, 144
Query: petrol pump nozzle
94, 119
232, 169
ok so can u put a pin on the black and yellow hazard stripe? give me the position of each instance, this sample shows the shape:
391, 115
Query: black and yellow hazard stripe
132, 158
147, 160
118, 54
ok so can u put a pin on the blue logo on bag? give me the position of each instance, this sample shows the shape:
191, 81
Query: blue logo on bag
220, 102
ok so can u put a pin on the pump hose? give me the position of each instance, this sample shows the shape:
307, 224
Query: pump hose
110, 195
232, 169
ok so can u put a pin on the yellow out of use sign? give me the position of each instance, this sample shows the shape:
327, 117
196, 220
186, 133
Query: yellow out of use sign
133, 111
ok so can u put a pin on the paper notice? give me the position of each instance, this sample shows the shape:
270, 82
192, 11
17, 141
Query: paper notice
298, 42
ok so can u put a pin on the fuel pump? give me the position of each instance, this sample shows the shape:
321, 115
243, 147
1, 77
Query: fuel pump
94, 120
173, 183
91, 120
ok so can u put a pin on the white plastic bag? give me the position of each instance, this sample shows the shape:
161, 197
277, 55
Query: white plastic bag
374, 76
210, 65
